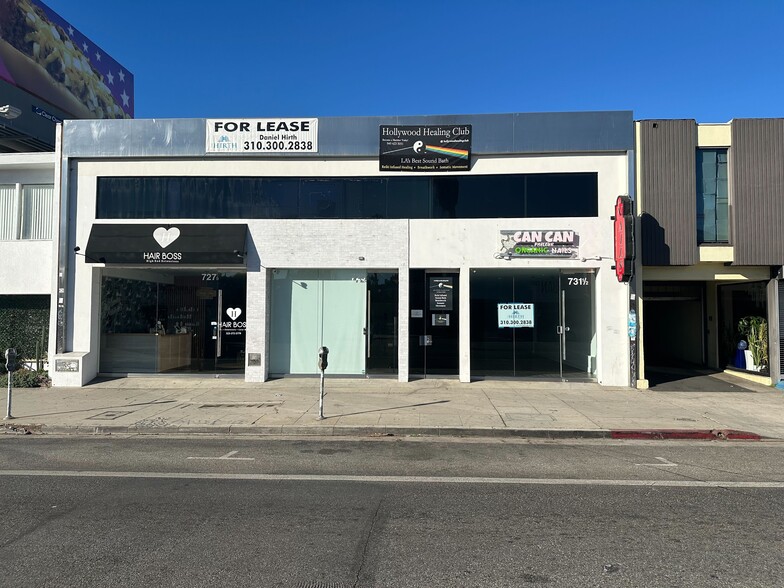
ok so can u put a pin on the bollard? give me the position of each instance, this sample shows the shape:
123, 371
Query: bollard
323, 352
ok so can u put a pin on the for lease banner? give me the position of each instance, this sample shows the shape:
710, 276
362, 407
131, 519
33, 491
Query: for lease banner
262, 135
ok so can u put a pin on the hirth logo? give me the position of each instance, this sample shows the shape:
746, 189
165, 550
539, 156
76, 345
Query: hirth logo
233, 313
166, 237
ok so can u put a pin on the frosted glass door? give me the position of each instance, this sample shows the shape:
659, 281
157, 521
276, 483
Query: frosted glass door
311, 308
343, 320
295, 325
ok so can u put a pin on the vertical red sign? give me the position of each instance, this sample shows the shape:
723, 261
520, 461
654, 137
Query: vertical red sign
624, 243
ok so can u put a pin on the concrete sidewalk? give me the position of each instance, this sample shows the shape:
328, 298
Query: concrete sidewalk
289, 406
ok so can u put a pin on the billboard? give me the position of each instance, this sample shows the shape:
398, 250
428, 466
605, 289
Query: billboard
43, 54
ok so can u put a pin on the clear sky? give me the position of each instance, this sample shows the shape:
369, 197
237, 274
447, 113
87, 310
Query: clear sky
707, 60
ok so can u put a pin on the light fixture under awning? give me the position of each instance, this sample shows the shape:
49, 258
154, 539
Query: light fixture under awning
167, 244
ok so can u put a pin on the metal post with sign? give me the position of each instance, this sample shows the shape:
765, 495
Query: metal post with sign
10, 365
323, 352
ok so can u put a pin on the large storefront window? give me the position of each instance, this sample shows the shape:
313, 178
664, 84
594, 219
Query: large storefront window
352, 312
533, 323
546, 195
172, 321
736, 303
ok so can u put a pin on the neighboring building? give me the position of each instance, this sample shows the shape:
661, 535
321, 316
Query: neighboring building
27, 220
50, 72
710, 250
466, 246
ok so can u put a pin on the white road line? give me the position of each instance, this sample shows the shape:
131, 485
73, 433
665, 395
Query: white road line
391, 479
664, 463
228, 456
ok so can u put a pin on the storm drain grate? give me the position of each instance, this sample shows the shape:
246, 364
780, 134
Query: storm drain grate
323, 585
108, 415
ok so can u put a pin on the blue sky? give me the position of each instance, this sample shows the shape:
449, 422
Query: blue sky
711, 61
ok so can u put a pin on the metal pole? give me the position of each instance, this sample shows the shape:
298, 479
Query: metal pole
321, 397
8, 408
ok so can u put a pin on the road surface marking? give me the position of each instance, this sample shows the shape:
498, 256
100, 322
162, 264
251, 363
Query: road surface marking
666, 463
390, 479
228, 456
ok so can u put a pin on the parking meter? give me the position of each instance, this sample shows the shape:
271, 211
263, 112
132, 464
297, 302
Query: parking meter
323, 352
10, 365
10, 359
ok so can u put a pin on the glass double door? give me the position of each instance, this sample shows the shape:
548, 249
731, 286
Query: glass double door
533, 324
351, 312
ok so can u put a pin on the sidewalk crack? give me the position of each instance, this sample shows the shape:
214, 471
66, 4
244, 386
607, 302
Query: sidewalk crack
367, 543
495, 408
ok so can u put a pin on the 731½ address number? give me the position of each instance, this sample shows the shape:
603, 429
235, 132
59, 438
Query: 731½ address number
278, 145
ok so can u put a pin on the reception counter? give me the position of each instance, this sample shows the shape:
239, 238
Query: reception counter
144, 353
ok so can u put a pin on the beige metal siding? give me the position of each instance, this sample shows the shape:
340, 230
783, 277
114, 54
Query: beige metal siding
757, 178
668, 184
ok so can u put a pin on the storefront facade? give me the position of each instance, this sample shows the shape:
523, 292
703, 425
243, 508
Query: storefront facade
711, 207
190, 249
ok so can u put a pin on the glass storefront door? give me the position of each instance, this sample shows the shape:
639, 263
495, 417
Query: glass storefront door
536, 324
172, 321
577, 326
434, 323
352, 312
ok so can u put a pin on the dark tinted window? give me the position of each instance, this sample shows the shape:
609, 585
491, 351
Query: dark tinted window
487, 196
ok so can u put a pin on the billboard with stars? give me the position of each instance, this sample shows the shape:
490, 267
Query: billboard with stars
44, 54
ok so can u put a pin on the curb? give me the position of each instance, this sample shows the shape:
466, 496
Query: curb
686, 434
383, 431
309, 431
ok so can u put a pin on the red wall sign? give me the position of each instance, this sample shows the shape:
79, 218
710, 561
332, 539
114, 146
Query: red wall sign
624, 242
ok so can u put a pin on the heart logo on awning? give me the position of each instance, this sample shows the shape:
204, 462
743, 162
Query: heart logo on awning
233, 313
166, 237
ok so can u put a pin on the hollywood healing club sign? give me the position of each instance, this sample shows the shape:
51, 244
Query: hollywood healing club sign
545, 243
424, 148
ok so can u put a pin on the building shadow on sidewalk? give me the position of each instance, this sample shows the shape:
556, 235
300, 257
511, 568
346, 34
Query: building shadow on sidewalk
334, 416
688, 379
94, 408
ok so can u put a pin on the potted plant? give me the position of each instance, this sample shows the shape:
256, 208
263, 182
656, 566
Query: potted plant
755, 330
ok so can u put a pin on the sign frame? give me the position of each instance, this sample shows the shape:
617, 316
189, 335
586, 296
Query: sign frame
258, 136
424, 148
516, 315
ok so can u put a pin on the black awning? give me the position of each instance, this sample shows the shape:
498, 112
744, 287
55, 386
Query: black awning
167, 244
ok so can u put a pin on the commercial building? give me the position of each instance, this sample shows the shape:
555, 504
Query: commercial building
27, 218
711, 203
49, 72
450, 246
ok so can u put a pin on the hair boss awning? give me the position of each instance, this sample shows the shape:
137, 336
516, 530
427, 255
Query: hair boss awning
167, 244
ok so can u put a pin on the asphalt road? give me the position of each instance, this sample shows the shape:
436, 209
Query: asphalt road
389, 512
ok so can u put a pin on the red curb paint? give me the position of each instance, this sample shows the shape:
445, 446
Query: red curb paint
709, 435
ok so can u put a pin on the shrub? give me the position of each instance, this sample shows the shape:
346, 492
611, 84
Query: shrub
755, 330
26, 379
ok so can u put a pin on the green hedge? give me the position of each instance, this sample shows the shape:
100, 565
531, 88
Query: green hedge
24, 326
26, 379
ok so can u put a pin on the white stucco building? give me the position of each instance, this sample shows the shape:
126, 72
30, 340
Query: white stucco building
464, 246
